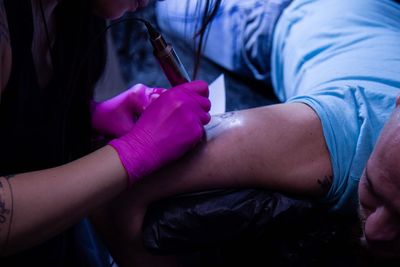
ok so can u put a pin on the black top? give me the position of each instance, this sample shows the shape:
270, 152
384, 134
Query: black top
32, 137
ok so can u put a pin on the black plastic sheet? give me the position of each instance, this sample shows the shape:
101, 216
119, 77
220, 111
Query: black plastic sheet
199, 220
252, 227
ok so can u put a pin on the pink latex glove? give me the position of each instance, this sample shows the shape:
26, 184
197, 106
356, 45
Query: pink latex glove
167, 129
117, 116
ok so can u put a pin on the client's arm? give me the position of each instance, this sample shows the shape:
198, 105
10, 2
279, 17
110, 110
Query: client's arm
279, 147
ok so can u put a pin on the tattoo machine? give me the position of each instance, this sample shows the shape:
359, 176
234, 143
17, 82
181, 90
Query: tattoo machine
167, 58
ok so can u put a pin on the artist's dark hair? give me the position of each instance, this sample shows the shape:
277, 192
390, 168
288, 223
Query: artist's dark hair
210, 9
79, 57
77, 71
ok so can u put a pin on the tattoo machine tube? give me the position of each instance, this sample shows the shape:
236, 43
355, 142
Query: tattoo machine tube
167, 58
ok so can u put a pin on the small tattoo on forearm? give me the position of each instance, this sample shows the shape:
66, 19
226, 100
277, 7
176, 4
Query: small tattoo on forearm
325, 183
6, 211
227, 115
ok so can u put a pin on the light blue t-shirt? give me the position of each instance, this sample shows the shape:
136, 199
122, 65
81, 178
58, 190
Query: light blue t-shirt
342, 58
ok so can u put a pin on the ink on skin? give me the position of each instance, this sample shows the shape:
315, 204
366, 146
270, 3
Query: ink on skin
218, 120
220, 123
6, 202
3, 211
4, 215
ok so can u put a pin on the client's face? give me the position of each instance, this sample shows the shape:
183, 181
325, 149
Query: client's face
113, 9
379, 192
380, 223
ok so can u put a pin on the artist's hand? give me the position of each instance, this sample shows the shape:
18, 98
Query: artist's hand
117, 116
379, 192
167, 129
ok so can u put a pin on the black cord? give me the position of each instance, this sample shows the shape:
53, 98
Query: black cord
85, 58
104, 31
100, 35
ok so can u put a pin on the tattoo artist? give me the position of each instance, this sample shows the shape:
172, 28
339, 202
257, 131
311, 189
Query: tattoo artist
49, 179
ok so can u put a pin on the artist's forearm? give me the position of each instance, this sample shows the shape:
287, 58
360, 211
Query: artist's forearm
44, 203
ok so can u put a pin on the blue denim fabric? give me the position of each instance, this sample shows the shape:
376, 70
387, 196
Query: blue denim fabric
240, 36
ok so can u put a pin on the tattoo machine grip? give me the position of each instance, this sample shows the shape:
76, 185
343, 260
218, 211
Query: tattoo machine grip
167, 58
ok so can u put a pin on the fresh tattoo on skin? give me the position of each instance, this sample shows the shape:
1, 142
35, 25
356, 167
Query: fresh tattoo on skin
220, 123
3, 211
6, 211
218, 119
325, 183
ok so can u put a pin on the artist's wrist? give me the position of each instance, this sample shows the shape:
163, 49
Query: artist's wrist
135, 154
